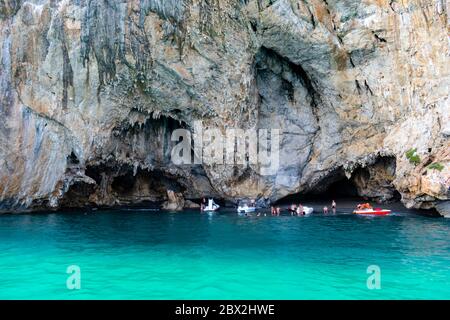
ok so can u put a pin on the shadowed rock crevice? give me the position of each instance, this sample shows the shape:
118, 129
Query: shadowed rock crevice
9, 8
146, 141
174, 10
103, 36
78, 196
268, 56
336, 186
121, 185
67, 72
373, 181
72, 160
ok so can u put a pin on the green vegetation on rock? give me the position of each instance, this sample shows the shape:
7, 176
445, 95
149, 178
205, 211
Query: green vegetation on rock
412, 156
436, 165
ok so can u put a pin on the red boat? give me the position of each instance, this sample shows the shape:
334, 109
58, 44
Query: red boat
376, 212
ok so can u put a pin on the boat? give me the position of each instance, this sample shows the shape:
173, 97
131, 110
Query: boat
212, 206
375, 212
307, 210
245, 209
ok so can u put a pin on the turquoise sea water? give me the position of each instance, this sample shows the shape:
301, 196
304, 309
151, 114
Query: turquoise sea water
154, 255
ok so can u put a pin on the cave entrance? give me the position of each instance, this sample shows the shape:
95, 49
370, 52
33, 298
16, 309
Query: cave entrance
373, 182
144, 140
148, 142
335, 186
343, 188
143, 185
115, 185
78, 196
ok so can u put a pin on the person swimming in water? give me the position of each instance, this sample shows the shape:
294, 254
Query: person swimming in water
325, 210
333, 206
293, 209
300, 210
273, 211
278, 211
203, 205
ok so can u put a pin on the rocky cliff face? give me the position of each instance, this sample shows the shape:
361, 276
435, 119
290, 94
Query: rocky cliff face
91, 90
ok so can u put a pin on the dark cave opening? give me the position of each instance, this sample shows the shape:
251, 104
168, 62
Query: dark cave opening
117, 181
335, 186
373, 183
341, 189
397, 196
95, 173
122, 186
72, 159
148, 142
149, 184
78, 196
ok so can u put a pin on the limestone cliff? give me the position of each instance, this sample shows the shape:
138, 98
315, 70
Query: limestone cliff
91, 90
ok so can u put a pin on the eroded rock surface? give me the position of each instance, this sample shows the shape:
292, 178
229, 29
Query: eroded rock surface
90, 92
175, 201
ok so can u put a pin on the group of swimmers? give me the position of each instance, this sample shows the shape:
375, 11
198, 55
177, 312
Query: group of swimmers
333, 207
298, 210
275, 211
294, 210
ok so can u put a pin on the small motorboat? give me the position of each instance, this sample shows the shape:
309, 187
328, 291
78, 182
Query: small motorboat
245, 208
375, 212
212, 206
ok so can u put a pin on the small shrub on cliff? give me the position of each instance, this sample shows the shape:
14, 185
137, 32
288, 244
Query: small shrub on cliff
412, 156
436, 166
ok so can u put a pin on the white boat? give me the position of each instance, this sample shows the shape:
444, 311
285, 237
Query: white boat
212, 206
245, 209
307, 210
